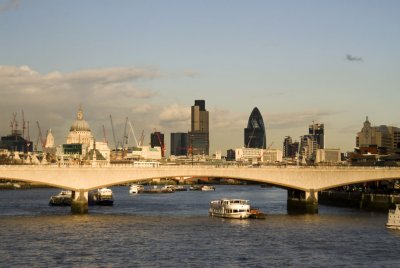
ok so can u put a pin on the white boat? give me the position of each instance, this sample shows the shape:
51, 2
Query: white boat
136, 188
208, 188
104, 196
394, 218
64, 198
230, 208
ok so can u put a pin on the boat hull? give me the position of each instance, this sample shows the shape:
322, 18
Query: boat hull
239, 215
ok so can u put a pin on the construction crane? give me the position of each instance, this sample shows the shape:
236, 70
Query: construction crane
40, 137
133, 133
125, 137
112, 127
14, 123
141, 138
104, 135
23, 124
270, 145
161, 143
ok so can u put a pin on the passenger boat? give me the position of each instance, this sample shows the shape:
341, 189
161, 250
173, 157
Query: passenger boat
136, 188
202, 188
64, 198
394, 218
104, 197
208, 188
230, 208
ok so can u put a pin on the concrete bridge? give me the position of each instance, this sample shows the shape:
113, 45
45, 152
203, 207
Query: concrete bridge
303, 183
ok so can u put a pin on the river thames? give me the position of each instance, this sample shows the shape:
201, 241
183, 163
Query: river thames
174, 230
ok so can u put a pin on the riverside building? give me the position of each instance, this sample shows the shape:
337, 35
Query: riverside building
385, 138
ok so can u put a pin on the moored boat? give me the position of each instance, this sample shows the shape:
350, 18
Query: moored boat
208, 188
104, 197
256, 213
394, 218
136, 188
64, 198
230, 208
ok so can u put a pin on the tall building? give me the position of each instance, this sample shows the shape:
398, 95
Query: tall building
383, 136
179, 144
199, 141
317, 133
254, 134
287, 147
157, 140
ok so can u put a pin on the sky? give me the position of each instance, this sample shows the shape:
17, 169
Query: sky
331, 62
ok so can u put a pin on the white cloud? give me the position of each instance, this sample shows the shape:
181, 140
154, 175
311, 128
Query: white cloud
175, 112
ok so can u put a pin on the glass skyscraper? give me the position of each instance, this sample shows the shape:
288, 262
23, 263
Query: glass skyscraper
179, 144
254, 134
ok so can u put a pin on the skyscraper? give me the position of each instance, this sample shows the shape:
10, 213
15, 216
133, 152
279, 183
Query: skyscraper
317, 132
254, 134
157, 140
179, 144
199, 134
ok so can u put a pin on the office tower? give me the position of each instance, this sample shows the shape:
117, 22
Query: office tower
179, 144
287, 147
254, 134
317, 132
157, 140
199, 135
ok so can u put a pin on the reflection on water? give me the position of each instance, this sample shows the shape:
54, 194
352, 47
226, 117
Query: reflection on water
175, 230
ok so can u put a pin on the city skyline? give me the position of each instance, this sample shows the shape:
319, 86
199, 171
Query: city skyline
298, 62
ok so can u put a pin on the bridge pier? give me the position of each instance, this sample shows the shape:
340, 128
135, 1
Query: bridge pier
79, 204
301, 202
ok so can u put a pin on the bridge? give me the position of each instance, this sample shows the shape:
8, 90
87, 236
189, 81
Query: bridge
303, 183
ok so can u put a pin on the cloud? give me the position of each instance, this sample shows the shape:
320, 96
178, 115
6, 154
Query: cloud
296, 119
175, 113
190, 73
353, 58
102, 92
142, 108
8, 5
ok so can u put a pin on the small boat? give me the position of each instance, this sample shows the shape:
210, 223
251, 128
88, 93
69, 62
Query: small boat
136, 188
208, 188
104, 197
64, 198
230, 208
156, 190
256, 213
179, 188
202, 188
394, 218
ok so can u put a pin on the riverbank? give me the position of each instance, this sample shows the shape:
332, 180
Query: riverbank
366, 201
17, 185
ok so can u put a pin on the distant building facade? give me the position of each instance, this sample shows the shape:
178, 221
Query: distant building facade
179, 144
386, 138
290, 148
254, 133
199, 141
317, 132
331, 156
157, 140
230, 155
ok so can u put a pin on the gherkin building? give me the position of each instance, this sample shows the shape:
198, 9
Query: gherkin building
254, 134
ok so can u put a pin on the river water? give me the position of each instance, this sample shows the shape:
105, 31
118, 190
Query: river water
174, 230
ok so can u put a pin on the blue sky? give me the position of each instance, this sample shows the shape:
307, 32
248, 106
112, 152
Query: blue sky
333, 62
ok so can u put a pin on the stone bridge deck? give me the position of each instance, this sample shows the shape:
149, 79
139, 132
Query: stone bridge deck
290, 177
